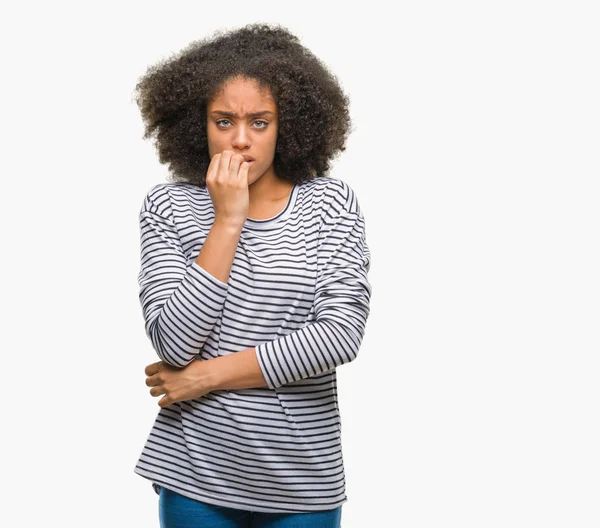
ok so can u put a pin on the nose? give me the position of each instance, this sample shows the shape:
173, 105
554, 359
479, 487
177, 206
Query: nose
241, 138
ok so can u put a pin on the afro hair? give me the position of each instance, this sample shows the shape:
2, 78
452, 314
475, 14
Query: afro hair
313, 110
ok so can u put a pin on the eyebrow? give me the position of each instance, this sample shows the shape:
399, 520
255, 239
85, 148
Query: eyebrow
231, 114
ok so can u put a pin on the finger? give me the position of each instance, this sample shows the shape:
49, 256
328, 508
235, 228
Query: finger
165, 402
234, 166
152, 381
243, 173
213, 167
152, 369
224, 162
157, 391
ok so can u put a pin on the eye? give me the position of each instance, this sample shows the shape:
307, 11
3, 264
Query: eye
222, 123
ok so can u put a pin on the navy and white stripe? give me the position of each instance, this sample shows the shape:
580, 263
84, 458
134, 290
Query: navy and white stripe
298, 291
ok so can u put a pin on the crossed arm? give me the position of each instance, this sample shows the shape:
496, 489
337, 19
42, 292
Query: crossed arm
181, 305
234, 371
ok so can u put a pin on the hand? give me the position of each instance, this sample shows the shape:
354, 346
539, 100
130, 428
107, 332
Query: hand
227, 183
178, 384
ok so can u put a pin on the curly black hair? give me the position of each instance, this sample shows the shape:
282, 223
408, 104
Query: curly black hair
313, 110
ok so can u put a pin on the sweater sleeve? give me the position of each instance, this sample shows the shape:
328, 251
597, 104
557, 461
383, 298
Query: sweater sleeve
341, 304
180, 303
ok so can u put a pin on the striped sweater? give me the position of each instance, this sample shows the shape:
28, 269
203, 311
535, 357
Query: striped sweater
297, 291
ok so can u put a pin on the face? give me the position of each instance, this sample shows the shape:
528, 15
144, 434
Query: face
243, 119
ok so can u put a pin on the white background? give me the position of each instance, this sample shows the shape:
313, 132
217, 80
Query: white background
475, 157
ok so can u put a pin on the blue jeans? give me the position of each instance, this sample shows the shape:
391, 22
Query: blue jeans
177, 511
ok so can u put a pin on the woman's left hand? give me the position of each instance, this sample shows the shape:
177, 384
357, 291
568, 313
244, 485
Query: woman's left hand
178, 384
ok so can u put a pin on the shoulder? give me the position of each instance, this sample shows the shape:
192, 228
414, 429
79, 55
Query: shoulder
334, 196
161, 197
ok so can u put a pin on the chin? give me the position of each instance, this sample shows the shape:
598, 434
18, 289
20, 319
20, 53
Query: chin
252, 179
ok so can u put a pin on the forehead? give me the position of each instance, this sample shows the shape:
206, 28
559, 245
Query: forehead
241, 93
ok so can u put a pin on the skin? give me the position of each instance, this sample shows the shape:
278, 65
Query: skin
249, 135
238, 190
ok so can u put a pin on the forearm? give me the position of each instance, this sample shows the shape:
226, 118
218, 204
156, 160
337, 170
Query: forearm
239, 370
312, 350
181, 303
218, 250
180, 330
180, 313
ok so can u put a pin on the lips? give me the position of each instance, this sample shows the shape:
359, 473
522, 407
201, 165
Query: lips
248, 158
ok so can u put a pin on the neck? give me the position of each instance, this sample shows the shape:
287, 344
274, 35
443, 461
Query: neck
269, 188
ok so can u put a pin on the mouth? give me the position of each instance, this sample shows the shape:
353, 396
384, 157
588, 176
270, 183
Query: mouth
248, 159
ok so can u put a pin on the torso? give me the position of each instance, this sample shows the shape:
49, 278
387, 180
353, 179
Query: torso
202, 447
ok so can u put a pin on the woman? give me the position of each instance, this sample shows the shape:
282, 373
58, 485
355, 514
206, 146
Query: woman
253, 282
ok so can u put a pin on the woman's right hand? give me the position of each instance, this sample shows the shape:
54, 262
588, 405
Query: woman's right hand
227, 182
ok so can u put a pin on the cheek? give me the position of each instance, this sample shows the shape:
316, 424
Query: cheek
271, 142
214, 145
209, 141
274, 140
212, 133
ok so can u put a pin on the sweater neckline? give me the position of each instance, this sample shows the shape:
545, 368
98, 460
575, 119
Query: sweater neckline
279, 217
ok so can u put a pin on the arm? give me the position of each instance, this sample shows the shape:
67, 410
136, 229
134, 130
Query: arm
342, 297
181, 304
234, 371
